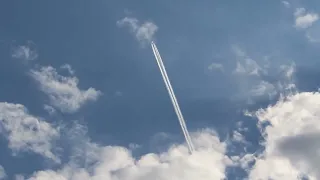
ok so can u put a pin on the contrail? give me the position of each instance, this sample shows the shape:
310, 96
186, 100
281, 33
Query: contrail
172, 96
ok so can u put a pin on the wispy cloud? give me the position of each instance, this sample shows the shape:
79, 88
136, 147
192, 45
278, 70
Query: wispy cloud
216, 66
245, 64
144, 32
26, 132
2, 173
68, 68
26, 52
286, 4
303, 19
248, 67
263, 88
260, 79
63, 92
238, 137
49, 109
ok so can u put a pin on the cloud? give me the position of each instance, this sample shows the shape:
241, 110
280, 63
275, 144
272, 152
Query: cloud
26, 132
2, 173
288, 70
68, 68
216, 66
261, 79
238, 137
117, 163
291, 140
19, 177
304, 20
26, 52
286, 4
63, 92
143, 32
49, 109
251, 77
263, 88
245, 65
313, 34
249, 67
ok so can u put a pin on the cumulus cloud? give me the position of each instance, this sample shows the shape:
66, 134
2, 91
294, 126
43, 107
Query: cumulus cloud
143, 32
26, 132
303, 19
63, 92
291, 140
26, 52
117, 163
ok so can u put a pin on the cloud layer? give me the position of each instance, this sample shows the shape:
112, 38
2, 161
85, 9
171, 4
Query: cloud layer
291, 148
117, 163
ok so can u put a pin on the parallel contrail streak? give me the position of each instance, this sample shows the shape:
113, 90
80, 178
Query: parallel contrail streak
172, 96
176, 106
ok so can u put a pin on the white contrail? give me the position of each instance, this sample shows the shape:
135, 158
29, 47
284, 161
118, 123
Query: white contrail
172, 96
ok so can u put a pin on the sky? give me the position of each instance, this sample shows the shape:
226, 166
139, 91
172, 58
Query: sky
82, 96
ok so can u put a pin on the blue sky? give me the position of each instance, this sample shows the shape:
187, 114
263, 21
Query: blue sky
82, 96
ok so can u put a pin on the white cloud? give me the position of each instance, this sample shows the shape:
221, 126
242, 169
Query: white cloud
49, 109
238, 137
239, 68
19, 177
244, 161
238, 51
299, 12
117, 163
68, 68
2, 173
245, 65
313, 34
288, 70
257, 77
63, 92
264, 88
25, 52
26, 132
143, 32
304, 20
292, 142
216, 66
286, 4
